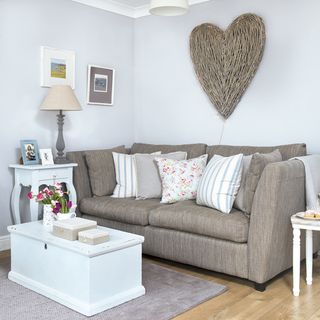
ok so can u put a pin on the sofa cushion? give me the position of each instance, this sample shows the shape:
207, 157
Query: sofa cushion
287, 150
180, 179
240, 198
193, 150
81, 178
127, 210
187, 216
220, 182
258, 162
147, 172
101, 170
126, 174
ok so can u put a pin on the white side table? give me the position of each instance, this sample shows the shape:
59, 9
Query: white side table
35, 176
309, 226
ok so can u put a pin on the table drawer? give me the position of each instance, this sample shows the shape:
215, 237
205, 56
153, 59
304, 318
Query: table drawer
54, 174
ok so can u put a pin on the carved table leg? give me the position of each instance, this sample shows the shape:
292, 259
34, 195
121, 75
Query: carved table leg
309, 249
34, 206
15, 201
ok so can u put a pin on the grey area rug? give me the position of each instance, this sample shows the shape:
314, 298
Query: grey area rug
168, 294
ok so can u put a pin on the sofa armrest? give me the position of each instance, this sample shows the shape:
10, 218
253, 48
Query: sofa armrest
280, 193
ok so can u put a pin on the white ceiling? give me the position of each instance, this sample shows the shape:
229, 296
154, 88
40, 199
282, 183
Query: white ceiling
129, 8
133, 3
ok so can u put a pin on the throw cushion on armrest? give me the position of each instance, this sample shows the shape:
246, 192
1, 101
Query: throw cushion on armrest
101, 170
258, 163
220, 182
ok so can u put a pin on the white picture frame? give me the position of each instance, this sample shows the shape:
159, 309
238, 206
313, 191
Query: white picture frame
57, 67
46, 156
100, 97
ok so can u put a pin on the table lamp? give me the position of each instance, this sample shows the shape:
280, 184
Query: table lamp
60, 98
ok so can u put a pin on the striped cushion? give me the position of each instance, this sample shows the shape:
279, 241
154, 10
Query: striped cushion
126, 177
220, 183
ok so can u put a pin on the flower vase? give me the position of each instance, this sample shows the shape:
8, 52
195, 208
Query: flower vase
47, 217
64, 216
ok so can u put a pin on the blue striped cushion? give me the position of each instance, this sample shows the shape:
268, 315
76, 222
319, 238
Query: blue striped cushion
220, 182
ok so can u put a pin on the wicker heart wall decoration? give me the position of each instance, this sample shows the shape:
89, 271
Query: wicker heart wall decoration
226, 61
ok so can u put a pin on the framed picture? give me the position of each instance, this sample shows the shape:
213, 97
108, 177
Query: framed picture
46, 156
29, 151
57, 67
100, 85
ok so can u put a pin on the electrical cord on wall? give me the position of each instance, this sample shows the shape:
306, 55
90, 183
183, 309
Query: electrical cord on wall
222, 132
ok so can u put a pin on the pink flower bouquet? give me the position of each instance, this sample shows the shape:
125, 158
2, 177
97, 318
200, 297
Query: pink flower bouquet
54, 196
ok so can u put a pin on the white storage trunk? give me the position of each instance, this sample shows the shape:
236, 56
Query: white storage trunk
85, 278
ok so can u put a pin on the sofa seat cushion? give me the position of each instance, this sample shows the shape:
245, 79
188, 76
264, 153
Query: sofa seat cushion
127, 210
187, 216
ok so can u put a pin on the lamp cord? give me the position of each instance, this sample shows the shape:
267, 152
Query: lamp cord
222, 132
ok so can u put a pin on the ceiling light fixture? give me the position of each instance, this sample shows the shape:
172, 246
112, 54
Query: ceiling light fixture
168, 7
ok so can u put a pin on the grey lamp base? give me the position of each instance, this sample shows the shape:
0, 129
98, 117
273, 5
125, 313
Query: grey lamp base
60, 145
61, 160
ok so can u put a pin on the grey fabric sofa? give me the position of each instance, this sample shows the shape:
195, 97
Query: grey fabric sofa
256, 248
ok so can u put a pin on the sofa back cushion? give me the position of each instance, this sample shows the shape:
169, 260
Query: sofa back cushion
81, 179
148, 177
287, 150
258, 162
193, 150
101, 170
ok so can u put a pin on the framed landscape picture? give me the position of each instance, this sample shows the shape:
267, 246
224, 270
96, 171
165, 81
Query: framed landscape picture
100, 85
57, 67
29, 152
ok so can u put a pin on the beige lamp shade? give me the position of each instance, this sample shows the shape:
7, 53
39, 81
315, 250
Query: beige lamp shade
61, 97
168, 7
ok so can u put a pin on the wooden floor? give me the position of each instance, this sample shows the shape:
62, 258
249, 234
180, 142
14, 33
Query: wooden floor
241, 301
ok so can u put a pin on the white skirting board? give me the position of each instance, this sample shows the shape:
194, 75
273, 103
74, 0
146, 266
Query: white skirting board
4, 243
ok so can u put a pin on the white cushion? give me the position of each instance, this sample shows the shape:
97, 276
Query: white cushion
126, 177
220, 182
148, 178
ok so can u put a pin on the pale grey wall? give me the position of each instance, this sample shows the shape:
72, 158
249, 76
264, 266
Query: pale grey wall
97, 37
282, 103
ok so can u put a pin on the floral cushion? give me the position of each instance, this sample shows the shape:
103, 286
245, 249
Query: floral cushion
180, 179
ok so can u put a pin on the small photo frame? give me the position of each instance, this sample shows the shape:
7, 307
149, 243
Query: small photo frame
30, 152
46, 157
57, 67
100, 85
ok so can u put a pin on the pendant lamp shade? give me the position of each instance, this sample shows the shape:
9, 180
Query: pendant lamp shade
168, 7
